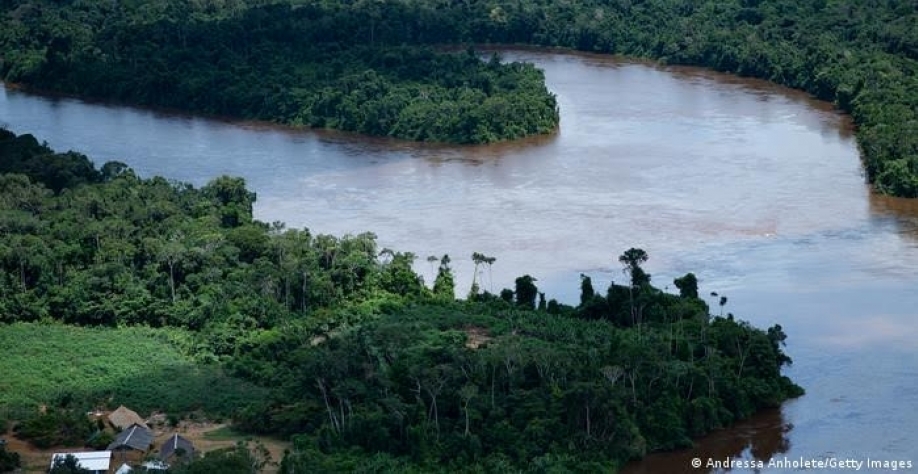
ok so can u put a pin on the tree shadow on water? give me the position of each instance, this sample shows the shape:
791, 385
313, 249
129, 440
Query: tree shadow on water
903, 211
746, 444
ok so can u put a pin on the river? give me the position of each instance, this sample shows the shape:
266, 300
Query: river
756, 189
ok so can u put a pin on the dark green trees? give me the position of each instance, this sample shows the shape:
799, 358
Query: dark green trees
632, 260
356, 359
237, 460
526, 292
125, 250
687, 285
586, 289
9, 461
56, 427
23, 154
444, 285
310, 65
234, 200
67, 465
345, 66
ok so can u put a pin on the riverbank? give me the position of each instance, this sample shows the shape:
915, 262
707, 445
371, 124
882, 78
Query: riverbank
836, 53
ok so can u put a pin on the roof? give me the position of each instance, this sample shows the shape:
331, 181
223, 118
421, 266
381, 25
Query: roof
124, 417
136, 437
173, 444
124, 469
92, 460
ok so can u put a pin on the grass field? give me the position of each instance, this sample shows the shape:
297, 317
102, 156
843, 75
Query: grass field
143, 368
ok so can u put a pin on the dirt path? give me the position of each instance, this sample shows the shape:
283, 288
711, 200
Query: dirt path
32, 458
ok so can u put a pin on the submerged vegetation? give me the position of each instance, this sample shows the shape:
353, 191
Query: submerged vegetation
340, 345
364, 66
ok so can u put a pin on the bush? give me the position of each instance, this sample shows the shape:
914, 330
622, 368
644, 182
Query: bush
55, 428
101, 440
9, 461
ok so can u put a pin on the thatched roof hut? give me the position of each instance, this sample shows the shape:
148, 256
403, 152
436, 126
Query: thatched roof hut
124, 417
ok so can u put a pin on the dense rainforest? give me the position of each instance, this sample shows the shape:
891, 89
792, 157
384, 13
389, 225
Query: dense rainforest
274, 65
340, 345
362, 65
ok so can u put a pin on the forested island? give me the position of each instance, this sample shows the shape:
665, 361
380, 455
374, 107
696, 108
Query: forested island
366, 66
173, 298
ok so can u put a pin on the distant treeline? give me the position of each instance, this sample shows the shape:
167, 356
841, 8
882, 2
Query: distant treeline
366, 366
300, 67
344, 64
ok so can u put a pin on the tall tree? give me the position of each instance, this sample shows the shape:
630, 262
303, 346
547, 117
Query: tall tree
444, 285
687, 285
586, 289
526, 292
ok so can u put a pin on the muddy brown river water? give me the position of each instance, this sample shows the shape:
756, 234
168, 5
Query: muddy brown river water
756, 189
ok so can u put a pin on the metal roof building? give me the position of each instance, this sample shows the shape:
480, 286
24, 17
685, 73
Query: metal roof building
135, 437
176, 446
95, 461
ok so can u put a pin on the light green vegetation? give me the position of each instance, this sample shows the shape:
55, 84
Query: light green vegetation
143, 368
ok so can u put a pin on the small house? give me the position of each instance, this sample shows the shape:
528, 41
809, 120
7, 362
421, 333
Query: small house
176, 447
150, 466
132, 443
96, 462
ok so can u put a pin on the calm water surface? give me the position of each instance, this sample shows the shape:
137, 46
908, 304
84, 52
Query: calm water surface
756, 189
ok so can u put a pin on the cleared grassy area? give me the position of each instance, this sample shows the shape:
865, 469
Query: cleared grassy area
143, 368
224, 433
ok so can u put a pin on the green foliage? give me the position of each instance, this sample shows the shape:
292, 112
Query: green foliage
397, 276
632, 260
154, 252
9, 461
444, 285
586, 289
408, 385
140, 367
526, 292
361, 66
55, 428
100, 440
297, 66
23, 154
237, 460
314, 336
68, 465
687, 285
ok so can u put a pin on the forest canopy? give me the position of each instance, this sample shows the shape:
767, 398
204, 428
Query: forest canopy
274, 64
364, 65
341, 346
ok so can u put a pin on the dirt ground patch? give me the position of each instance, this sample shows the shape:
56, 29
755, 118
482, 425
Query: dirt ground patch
477, 337
208, 437
33, 459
